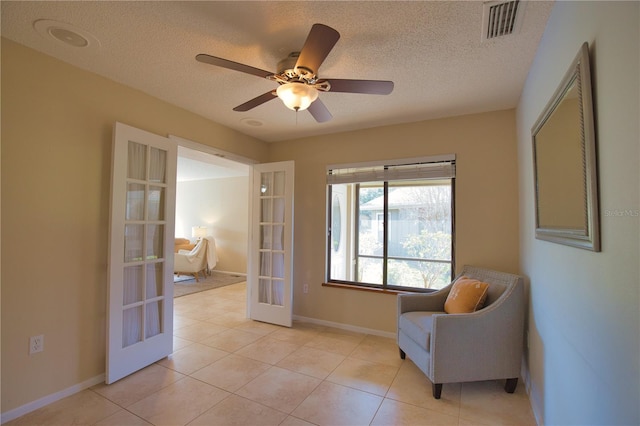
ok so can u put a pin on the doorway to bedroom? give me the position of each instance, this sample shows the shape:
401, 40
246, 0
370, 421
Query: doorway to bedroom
211, 222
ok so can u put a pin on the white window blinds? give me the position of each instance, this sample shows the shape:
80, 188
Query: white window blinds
440, 167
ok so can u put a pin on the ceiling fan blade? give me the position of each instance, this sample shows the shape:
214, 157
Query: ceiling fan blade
225, 63
319, 111
256, 101
371, 87
319, 43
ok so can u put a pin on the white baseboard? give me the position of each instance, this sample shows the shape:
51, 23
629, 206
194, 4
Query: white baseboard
526, 378
46, 400
347, 327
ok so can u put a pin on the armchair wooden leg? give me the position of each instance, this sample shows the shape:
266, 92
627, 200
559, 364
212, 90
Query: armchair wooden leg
402, 354
437, 390
510, 386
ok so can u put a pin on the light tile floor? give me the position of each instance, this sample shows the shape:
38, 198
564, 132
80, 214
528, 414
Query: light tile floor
228, 370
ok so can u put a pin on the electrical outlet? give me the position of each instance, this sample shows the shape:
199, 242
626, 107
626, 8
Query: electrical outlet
36, 344
305, 288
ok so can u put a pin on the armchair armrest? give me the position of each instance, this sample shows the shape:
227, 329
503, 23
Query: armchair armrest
430, 302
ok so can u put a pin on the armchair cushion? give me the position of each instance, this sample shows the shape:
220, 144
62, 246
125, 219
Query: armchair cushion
418, 325
467, 295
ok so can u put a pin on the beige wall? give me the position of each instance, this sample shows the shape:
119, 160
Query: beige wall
486, 203
56, 157
584, 321
222, 205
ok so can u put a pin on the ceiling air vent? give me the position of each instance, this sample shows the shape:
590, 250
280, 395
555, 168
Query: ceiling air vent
500, 18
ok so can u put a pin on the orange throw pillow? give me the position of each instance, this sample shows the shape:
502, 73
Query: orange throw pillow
466, 295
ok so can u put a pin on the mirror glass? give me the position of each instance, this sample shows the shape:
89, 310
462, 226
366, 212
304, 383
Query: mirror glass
564, 162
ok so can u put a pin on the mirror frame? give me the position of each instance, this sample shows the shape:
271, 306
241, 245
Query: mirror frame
589, 237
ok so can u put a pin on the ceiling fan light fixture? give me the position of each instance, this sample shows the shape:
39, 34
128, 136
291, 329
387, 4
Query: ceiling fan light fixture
297, 96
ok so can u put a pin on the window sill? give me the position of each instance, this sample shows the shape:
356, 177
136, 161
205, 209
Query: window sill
363, 288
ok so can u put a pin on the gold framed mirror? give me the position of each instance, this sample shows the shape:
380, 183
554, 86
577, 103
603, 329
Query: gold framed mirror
564, 159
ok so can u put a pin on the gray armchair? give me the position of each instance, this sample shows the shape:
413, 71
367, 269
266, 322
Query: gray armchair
483, 345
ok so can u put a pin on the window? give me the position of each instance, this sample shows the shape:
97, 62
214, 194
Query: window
390, 225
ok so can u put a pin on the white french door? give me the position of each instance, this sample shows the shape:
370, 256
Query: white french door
140, 296
271, 250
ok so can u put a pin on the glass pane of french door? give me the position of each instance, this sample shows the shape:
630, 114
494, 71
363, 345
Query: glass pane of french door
271, 256
144, 241
271, 276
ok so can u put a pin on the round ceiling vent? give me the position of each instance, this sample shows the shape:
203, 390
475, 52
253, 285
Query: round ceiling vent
64, 33
253, 122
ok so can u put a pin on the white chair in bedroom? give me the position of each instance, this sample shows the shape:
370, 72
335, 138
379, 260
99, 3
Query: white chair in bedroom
192, 262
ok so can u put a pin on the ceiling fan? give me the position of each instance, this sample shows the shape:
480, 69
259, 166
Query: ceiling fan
298, 82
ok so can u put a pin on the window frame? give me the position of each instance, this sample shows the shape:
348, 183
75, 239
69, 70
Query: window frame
385, 287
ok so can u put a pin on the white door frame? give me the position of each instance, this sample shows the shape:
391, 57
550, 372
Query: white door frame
251, 258
197, 146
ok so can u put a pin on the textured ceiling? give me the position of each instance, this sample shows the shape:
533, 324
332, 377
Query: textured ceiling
197, 165
431, 50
